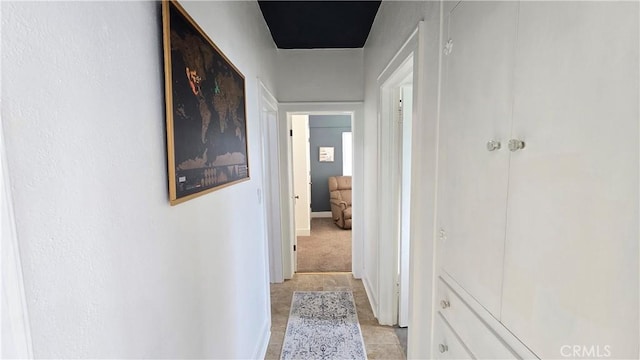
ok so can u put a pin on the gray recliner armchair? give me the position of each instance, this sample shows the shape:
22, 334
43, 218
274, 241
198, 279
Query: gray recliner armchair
340, 197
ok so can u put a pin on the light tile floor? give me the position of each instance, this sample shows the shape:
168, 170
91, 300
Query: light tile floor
381, 342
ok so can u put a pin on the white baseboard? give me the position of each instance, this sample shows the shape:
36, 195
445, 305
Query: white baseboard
303, 232
15, 325
321, 214
372, 300
263, 343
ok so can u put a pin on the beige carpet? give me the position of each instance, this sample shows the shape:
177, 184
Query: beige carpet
327, 249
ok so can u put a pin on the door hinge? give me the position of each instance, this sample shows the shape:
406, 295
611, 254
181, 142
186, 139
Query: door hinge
291, 132
400, 112
294, 248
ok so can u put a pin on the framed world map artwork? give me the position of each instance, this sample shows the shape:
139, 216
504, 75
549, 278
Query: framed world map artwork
205, 110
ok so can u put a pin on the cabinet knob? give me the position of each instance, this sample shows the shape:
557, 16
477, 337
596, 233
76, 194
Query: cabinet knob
443, 348
493, 145
515, 144
445, 304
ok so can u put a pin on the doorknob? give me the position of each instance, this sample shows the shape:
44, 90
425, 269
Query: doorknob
515, 144
297, 197
493, 145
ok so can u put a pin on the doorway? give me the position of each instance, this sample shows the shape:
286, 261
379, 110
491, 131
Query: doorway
289, 241
395, 132
395, 167
321, 154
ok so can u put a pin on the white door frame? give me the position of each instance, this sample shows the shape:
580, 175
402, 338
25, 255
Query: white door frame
406, 94
271, 179
355, 109
390, 137
424, 45
389, 179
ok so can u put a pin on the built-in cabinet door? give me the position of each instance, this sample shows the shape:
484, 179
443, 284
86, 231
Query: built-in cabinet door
571, 256
476, 109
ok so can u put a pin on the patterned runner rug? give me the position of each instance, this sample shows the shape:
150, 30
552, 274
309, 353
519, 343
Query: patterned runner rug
323, 325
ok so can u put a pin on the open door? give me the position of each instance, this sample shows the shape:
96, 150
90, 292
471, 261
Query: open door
292, 200
301, 174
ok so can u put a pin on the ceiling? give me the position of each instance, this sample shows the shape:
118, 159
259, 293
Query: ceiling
319, 24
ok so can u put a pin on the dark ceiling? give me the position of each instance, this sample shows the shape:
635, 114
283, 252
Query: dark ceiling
319, 24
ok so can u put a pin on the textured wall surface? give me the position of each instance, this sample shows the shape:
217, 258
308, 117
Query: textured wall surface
110, 269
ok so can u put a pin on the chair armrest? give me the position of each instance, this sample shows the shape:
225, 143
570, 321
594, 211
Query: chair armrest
342, 204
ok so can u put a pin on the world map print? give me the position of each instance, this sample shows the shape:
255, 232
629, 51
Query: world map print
208, 120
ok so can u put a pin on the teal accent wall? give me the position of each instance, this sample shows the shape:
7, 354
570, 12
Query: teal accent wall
325, 130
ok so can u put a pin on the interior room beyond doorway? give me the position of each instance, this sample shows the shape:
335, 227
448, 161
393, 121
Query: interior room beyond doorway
322, 150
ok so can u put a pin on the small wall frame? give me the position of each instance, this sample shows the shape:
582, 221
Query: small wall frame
326, 154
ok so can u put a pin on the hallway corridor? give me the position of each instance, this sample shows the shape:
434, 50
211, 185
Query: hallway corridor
381, 342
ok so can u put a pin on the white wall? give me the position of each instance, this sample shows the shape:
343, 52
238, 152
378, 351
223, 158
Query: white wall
111, 270
320, 75
394, 23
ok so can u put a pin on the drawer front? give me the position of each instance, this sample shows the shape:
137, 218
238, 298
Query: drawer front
446, 343
481, 341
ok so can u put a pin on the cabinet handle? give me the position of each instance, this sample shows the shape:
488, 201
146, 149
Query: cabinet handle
493, 145
445, 304
515, 144
443, 348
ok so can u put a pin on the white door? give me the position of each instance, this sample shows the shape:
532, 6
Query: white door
291, 224
301, 168
476, 109
406, 96
571, 263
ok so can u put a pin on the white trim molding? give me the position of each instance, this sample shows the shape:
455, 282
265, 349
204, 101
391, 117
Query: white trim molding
16, 332
263, 343
271, 179
303, 232
402, 65
321, 214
